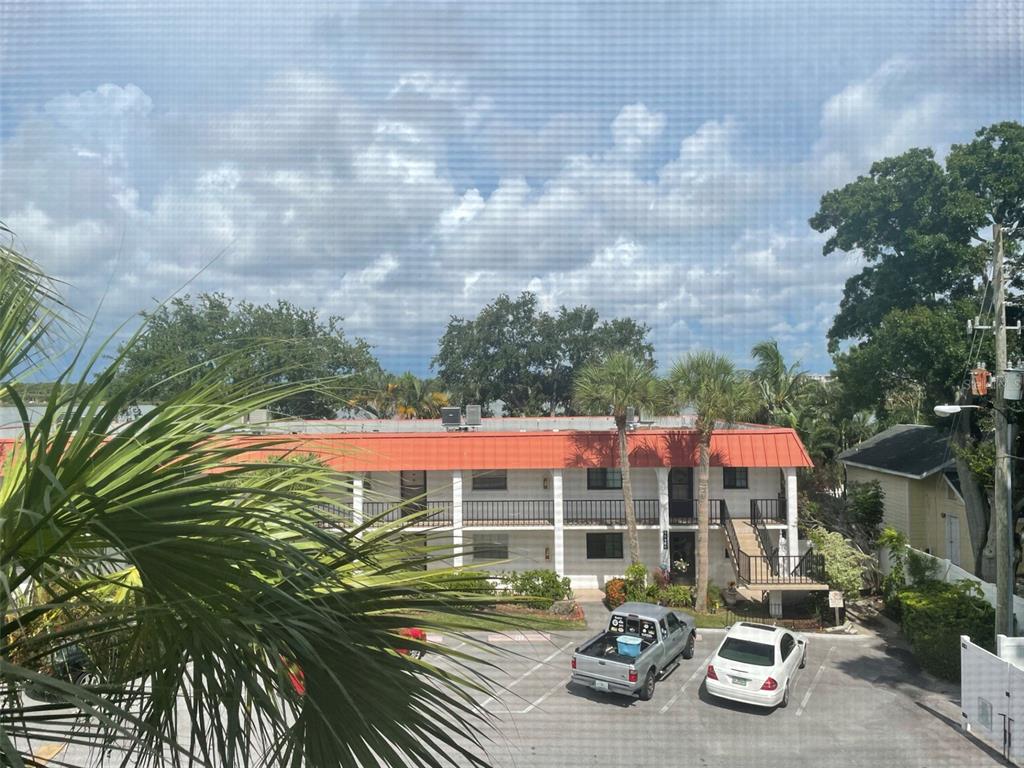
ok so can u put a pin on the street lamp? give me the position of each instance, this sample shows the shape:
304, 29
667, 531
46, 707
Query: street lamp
951, 410
1002, 510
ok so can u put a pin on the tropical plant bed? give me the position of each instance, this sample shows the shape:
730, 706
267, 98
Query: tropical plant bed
573, 620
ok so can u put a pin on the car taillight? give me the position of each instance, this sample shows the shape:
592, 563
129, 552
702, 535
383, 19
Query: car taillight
574, 662
711, 673
769, 685
632, 675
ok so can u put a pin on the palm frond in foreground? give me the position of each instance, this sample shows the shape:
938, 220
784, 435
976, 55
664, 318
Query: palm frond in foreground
193, 579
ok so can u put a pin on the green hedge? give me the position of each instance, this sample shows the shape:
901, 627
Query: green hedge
544, 585
935, 614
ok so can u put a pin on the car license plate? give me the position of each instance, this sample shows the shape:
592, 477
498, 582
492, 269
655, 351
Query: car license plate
600, 685
740, 681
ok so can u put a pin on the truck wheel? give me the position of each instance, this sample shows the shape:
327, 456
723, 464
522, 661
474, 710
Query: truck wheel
647, 692
688, 648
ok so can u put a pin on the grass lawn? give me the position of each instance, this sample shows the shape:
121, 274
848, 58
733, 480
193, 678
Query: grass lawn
507, 618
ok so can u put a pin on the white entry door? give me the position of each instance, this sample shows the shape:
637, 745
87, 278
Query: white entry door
953, 539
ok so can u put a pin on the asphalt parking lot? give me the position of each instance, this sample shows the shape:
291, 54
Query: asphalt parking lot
858, 702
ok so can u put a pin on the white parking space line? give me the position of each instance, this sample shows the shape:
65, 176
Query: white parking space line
529, 672
814, 682
541, 700
518, 636
689, 680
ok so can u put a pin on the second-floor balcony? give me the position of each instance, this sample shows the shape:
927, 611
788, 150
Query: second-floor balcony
684, 512
502, 512
609, 511
431, 513
768, 511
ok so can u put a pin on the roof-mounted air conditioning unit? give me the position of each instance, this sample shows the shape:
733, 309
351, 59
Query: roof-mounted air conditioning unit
451, 417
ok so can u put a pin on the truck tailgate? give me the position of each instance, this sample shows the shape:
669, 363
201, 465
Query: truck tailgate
603, 669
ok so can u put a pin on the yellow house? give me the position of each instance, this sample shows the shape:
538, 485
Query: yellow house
913, 464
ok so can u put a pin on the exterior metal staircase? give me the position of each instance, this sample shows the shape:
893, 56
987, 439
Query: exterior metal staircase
757, 569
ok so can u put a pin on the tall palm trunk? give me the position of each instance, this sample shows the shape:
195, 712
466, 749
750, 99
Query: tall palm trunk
627, 492
703, 519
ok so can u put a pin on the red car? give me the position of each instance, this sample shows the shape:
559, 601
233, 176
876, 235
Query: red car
413, 633
297, 677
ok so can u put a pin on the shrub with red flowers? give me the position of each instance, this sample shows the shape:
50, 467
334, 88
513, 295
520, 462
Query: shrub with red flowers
614, 593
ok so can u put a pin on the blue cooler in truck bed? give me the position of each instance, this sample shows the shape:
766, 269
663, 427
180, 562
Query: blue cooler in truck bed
629, 646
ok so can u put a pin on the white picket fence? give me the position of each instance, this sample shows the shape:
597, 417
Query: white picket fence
946, 571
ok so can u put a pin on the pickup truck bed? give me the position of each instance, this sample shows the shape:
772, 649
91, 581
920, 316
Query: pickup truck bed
607, 647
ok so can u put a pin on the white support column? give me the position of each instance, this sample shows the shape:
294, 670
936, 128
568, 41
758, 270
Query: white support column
556, 496
791, 512
663, 531
357, 499
459, 559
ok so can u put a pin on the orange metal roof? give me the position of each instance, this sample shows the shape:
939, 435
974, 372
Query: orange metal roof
389, 452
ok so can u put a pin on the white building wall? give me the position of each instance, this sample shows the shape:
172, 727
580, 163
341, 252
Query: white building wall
382, 486
720, 569
592, 574
645, 485
527, 550
439, 485
761, 484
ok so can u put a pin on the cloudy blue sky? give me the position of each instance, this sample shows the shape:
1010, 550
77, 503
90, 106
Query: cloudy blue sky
399, 163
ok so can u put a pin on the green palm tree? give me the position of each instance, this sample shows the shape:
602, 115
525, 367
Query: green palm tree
711, 385
190, 575
781, 388
419, 398
613, 385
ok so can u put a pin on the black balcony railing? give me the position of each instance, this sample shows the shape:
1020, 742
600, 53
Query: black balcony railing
508, 512
684, 512
609, 511
789, 569
768, 510
332, 515
381, 512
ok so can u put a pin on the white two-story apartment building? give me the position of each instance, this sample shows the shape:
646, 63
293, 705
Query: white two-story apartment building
547, 493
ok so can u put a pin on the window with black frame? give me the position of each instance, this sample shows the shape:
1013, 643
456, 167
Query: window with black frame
604, 546
490, 480
734, 477
604, 479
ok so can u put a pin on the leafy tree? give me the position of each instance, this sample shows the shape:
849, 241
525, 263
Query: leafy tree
845, 564
191, 570
914, 228
274, 344
915, 358
526, 358
710, 384
575, 337
612, 386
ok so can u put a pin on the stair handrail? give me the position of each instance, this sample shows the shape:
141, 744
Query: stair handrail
740, 559
767, 550
812, 563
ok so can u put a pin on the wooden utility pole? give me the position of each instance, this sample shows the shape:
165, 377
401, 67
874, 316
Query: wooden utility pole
1003, 502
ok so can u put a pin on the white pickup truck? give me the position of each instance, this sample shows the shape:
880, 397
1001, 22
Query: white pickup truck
664, 636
